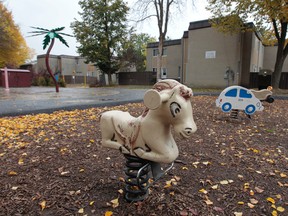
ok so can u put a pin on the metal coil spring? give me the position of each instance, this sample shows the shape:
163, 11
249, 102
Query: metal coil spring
137, 172
234, 113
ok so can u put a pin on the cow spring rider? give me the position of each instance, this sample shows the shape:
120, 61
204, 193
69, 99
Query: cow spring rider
149, 136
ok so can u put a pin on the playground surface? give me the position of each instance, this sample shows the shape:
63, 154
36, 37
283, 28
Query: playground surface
54, 164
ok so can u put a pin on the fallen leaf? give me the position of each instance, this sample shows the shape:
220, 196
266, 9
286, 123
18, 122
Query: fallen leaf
12, 173
238, 213
217, 209
274, 213
225, 182
246, 186
43, 205
240, 203
115, 203
206, 163
208, 201
283, 175
254, 201
108, 213
21, 161
64, 173
120, 191
121, 179
184, 168
14, 188
195, 164
214, 187
183, 213
250, 205
280, 209
91, 203
168, 184
203, 191
81, 211
240, 177
177, 178
280, 184
269, 199
258, 190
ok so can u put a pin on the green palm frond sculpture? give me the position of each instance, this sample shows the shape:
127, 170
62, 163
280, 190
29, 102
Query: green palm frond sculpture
49, 38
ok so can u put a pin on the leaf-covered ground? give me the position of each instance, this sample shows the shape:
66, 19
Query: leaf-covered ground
53, 164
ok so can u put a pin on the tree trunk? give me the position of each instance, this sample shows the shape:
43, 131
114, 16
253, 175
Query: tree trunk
109, 78
48, 66
159, 57
276, 76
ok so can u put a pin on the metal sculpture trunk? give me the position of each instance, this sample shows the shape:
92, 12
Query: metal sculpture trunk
48, 66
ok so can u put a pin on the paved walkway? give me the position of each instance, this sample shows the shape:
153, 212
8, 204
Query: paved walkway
20, 101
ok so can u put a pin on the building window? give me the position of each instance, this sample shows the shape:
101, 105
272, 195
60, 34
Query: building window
163, 73
155, 52
164, 52
154, 70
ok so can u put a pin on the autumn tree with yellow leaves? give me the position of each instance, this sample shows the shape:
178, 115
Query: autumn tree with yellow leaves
270, 18
13, 48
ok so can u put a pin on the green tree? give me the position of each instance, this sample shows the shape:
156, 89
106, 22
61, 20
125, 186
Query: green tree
270, 17
101, 33
134, 51
49, 38
13, 48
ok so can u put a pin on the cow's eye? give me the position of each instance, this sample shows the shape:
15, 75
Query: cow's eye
175, 108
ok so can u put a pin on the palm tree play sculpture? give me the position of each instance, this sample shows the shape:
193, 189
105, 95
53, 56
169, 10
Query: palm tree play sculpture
50, 36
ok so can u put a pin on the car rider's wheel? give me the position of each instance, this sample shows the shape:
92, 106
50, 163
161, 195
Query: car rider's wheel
270, 99
250, 109
226, 107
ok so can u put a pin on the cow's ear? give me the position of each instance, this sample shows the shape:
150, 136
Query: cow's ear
152, 99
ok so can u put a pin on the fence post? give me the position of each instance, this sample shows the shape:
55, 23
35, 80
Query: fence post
6, 78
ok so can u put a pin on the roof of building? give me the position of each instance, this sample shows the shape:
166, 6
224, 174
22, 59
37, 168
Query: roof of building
59, 56
199, 24
166, 43
185, 34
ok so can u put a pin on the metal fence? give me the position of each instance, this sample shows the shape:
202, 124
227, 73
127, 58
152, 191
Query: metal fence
261, 82
137, 78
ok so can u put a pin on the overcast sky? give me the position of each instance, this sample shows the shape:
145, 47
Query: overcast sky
50, 14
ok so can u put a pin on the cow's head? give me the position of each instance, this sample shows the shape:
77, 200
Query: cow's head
171, 101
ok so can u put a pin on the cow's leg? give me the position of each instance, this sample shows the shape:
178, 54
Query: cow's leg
154, 156
111, 142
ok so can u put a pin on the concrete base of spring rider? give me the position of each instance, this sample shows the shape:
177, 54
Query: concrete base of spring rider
138, 173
